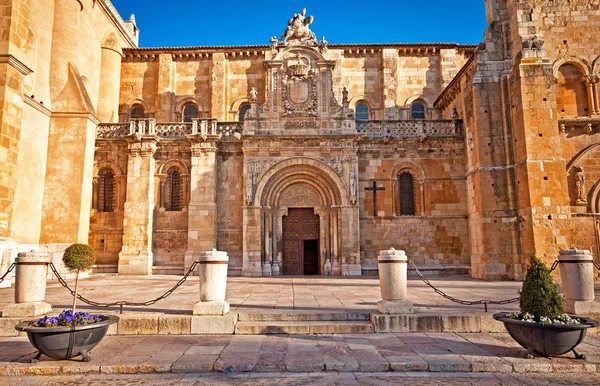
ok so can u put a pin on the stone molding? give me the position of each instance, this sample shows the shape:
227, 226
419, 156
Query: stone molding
15, 63
37, 105
73, 115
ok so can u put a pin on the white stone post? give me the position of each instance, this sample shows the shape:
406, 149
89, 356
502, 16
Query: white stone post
577, 276
30, 286
393, 282
212, 272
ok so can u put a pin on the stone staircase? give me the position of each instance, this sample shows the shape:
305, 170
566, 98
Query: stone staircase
304, 323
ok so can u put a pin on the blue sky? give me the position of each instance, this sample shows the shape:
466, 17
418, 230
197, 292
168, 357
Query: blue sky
176, 23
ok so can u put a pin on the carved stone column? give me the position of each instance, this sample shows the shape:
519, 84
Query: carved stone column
278, 214
136, 255
267, 232
595, 81
202, 209
588, 80
325, 234
335, 241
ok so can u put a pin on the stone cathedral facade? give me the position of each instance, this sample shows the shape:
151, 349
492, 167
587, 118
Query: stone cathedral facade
301, 156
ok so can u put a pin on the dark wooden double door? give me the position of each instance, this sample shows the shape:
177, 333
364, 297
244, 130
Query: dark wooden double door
301, 242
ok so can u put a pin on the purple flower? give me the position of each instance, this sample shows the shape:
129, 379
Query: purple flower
67, 318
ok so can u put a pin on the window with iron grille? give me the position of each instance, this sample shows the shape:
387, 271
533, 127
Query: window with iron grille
106, 190
174, 190
406, 194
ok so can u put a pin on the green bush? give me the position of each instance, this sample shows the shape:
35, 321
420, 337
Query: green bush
79, 257
540, 295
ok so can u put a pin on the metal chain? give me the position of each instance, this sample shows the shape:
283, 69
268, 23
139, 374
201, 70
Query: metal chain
472, 302
459, 301
122, 303
12, 266
596, 264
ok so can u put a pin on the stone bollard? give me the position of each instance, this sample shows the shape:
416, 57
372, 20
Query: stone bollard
212, 272
393, 282
577, 276
30, 286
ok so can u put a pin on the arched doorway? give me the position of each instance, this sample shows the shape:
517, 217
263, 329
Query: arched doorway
299, 217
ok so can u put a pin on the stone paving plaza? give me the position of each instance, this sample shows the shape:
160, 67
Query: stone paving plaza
328, 359
282, 293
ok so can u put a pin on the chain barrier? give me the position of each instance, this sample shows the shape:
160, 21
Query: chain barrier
469, 302
12, 266
596, 264
122, 303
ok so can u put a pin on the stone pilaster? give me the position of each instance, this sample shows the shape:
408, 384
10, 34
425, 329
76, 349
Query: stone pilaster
164, 101
389, 84
218, 102
202, 212
136, 255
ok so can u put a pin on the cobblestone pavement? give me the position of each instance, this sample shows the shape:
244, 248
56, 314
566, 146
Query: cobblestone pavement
316, 379
424, 352
283, 293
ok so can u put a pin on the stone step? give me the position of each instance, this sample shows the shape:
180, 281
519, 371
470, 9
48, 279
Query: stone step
304, 327
303, 316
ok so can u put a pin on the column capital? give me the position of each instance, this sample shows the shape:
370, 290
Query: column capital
203, 148
145, 147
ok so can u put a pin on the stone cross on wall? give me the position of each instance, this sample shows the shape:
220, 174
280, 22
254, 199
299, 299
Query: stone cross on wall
375, 189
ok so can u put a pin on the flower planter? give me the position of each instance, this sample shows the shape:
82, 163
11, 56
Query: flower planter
547, 339
66, 342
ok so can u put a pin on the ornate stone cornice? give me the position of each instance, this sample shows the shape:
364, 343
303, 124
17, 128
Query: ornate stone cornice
15, 63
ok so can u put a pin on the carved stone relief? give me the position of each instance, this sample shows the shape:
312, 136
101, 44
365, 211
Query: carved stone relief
300, 195
335, 163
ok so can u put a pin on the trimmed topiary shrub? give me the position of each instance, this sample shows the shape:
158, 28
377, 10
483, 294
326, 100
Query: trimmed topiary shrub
540, 296
78, 257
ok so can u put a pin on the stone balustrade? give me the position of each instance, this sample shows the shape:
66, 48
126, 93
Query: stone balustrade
372, 129
409, 128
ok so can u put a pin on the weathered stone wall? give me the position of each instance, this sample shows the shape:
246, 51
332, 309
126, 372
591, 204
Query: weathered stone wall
218, 82
52, 90
438, 233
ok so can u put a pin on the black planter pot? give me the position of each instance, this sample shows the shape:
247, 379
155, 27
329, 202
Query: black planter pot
66, 342
547, 339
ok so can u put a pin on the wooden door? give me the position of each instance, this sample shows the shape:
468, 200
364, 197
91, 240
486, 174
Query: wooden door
300, 224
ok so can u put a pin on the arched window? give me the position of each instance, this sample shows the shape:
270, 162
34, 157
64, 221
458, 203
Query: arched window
106, 191
362, 111
136, 112
243, 110
417, 110
406, 194
190, 111
571, 98
174, 190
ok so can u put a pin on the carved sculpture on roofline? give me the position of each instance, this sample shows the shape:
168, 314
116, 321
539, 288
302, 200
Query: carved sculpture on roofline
297, 31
